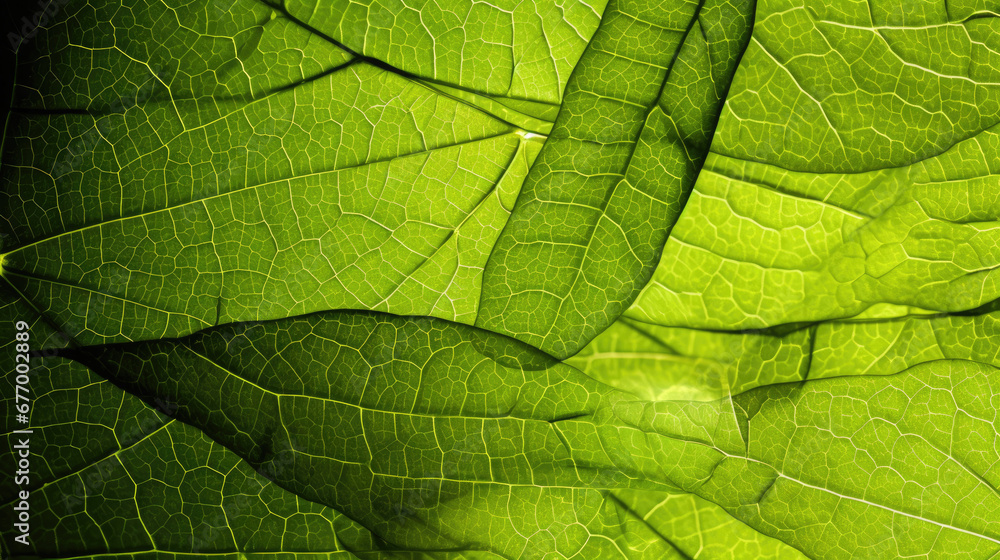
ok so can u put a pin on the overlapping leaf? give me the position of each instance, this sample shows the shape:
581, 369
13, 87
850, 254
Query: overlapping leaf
127, 479
632, 133
853, 172
362, 412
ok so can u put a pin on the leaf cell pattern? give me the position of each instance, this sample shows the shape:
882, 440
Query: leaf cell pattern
535, 279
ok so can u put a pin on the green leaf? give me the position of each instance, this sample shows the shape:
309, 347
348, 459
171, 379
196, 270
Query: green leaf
123, 478
608, 185
709, 279
252, 183
368, 168
700, 529
362, 412
853, 173
404, 425
862, 86
521, 51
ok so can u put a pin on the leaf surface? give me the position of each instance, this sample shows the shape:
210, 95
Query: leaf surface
125, 479
608, 185
254, 183
581, 279
852, 174
361, 411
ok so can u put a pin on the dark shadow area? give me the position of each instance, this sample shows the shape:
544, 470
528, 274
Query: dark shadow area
18, 18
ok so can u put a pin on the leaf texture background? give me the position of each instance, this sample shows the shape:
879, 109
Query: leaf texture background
540, 279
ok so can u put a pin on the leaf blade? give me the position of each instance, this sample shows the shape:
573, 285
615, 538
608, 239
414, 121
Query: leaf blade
610, 182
